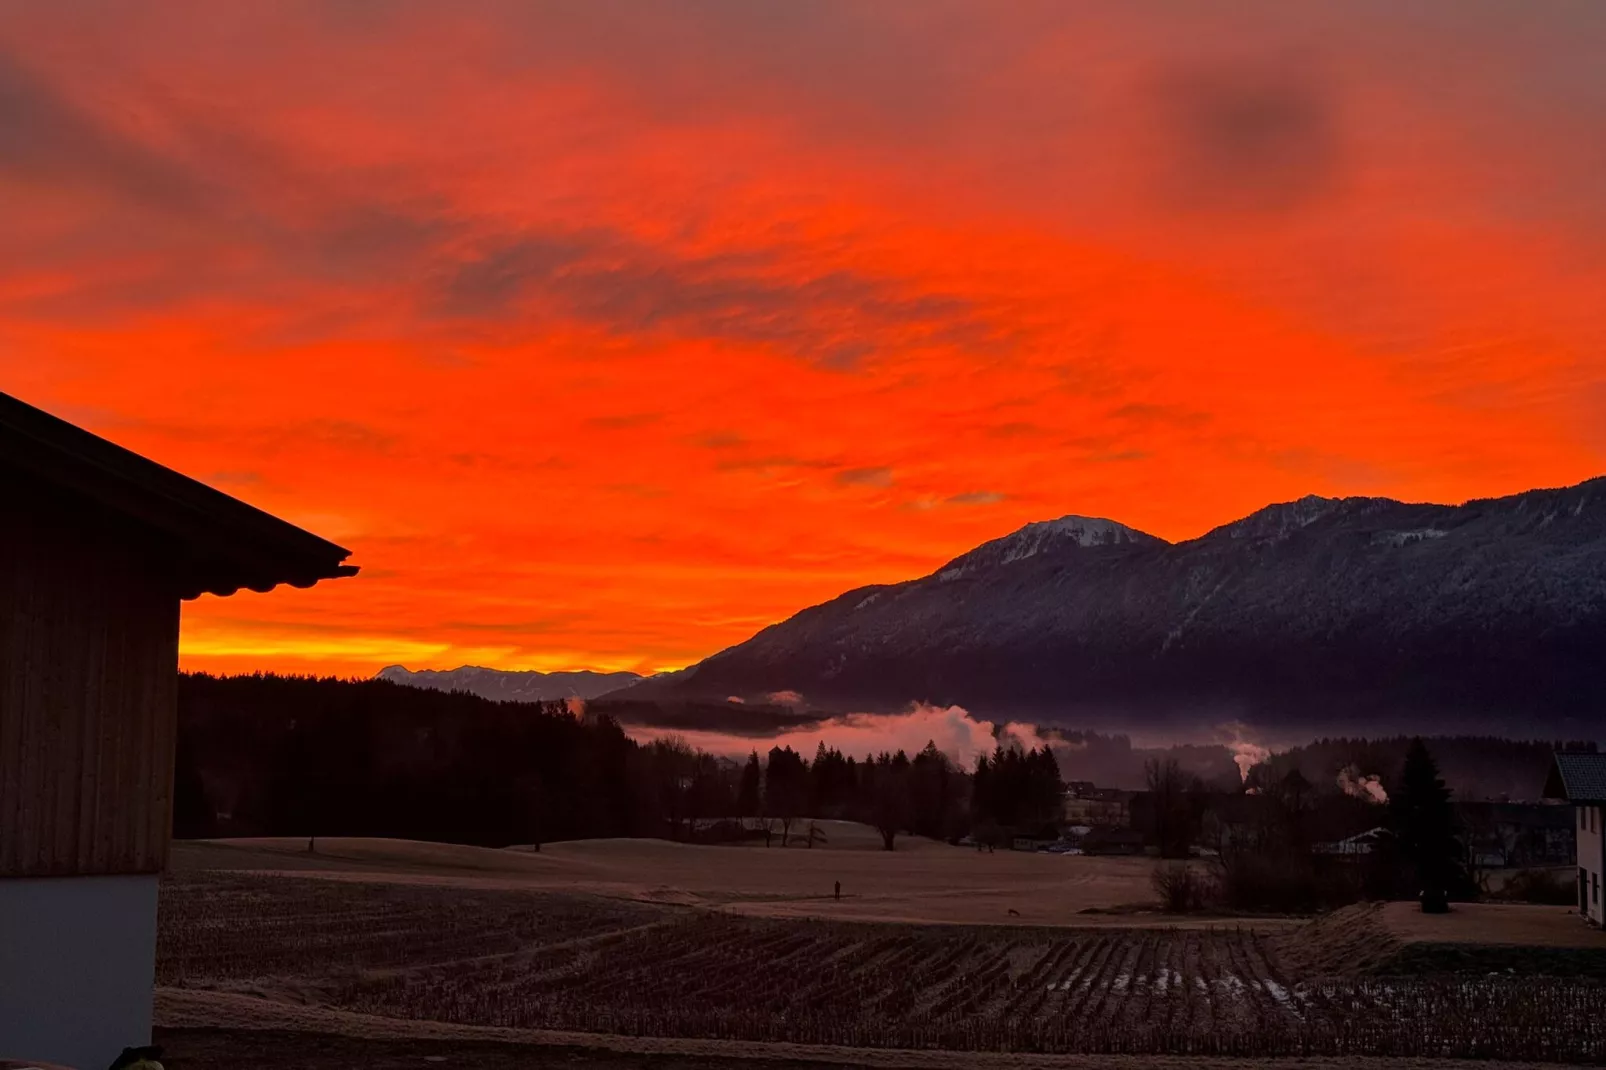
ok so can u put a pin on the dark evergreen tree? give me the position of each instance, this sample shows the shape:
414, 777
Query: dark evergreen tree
1425, 831
786, 788
749, 797
885, 795
1044, 791
932, 794
1015, 792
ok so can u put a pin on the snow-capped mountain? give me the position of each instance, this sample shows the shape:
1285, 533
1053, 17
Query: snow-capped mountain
1044, 536
1328, 614
512, 686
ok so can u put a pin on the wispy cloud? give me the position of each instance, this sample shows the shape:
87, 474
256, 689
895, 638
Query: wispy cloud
604, 277
956, 732
896, 284
865, 477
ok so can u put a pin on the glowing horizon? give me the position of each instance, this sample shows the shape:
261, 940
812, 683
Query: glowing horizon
606, 335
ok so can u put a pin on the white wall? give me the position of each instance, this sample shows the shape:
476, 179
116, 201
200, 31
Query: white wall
77, 968
1591, 825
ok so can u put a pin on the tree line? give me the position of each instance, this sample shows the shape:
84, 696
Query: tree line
1277, 845
297, 756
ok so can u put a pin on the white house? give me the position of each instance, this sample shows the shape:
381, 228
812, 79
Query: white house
1581, 780
98, 547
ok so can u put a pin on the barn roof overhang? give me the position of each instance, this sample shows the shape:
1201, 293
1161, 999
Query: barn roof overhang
217, 544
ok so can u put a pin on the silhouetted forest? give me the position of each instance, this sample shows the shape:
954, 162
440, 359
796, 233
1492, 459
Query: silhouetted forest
1474, 767
275, 755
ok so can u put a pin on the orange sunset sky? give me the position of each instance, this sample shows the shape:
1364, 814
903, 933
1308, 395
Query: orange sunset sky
606, 333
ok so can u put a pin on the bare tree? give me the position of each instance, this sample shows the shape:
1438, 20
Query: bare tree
1168, 789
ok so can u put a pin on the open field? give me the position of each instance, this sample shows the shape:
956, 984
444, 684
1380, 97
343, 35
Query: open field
921, 881
1397, 938
1492, 923
502, 955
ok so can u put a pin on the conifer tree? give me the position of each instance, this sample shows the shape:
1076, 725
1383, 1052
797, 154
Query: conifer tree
748, 797
1425, 831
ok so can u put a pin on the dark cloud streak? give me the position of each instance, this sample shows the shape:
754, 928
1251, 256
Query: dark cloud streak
47, 138
834, 318
185, 209
865, 477
1256, 137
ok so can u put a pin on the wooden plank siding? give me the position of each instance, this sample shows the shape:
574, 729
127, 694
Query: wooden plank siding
89, 616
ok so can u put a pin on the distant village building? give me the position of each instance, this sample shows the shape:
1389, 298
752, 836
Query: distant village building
1085, 804
1359, 845
1112, 841
1518, 834
1581, 780
98, 547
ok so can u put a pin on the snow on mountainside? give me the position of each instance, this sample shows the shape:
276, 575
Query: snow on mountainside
1333, 613
1281, 520
506, 686
1045, 536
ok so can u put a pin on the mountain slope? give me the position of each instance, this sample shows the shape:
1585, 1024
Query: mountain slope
1323, 614
512, 686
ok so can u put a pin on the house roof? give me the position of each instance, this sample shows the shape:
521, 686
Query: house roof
220, 543
1577, 777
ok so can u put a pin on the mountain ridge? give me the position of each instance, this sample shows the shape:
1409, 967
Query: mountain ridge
1319, 614
512, 685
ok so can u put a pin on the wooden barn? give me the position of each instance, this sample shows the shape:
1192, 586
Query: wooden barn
98, 548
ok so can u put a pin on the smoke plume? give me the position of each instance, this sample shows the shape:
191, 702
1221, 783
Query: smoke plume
1368, 787
956, 732
1246, 754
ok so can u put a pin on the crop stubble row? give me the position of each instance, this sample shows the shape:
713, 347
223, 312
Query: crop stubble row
576, 963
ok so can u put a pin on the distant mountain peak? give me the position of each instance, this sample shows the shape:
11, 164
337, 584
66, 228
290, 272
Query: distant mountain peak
1342, 613
507, 685
1045, 536
1083, 530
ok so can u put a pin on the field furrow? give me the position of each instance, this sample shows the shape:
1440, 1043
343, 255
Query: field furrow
540, 960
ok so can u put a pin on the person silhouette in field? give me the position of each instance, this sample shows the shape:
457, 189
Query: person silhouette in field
837, 892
